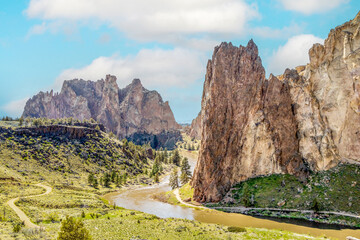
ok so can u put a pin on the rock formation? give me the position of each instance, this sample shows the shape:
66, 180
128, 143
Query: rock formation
307, 119
195, 129
122, 111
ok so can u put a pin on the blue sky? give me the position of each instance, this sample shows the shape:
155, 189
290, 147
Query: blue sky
164, 43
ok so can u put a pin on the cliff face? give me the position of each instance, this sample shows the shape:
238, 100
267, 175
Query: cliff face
308, 119
123, 111
195, 129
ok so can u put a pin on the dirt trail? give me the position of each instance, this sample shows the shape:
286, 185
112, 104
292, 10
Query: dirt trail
20, 213
176, 192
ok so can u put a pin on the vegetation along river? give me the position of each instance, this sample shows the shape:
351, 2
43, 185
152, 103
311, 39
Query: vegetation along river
140, 199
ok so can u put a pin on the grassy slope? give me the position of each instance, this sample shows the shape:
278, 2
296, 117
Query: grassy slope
71, 194
337, 189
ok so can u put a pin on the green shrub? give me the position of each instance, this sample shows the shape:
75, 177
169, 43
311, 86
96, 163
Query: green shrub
73, 229
17, 227
236, 229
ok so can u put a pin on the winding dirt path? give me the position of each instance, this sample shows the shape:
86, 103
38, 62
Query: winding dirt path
20, 213
177, 194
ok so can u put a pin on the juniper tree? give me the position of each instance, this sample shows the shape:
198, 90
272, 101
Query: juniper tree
73, 229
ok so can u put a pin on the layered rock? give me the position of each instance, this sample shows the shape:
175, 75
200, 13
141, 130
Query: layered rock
306, 120
122, 111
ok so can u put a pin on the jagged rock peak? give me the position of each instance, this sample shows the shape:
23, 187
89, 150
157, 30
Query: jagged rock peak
122, 111
136, 81
307, 119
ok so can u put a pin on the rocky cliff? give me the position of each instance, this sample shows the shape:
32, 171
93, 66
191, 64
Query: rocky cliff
122, 111
307, 119
195, 129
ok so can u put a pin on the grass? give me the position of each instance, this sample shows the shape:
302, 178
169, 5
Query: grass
66, 168
337, 190
106, 222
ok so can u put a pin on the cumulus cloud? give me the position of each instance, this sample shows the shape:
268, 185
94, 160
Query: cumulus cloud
293, 53
152, 20
14, 108
157, 68
311, 6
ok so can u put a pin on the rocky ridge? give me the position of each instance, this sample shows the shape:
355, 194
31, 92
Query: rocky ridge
307, 119
123, 111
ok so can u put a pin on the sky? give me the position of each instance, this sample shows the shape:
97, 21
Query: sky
164, 43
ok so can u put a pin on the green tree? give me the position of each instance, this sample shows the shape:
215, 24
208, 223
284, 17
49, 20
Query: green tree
21, 121
155, 142
156, 177
113, 176
156, 166
72, 229
176, 158
315, 205
106, 180
95, 183
174, 179
91, 179
185, 171
124, 178
37, 122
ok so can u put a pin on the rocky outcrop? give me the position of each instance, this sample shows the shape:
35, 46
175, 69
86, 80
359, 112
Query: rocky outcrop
72, 132
122, 111
195, 129
307, 119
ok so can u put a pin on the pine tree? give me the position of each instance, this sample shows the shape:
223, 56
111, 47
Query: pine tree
185, 171
174, 180
156, 166
176, 158
106, 180
72, 229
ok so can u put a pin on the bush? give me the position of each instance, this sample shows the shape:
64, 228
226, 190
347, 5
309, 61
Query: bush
72, 229
236, 229
17, 227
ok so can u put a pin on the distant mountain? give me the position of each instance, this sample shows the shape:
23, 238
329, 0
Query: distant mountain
125, 112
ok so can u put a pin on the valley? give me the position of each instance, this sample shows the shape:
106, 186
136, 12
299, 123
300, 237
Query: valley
270, 155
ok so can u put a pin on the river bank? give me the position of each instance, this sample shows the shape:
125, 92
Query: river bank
142, 200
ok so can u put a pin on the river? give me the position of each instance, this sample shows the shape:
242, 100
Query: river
140, 199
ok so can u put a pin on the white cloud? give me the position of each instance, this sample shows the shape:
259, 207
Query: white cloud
293, 53
14, 108
157, 68
271, 33
311, 6
152, 20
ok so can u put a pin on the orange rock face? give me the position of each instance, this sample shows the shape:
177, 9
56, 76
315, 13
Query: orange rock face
248, 126
122, 111
307, 119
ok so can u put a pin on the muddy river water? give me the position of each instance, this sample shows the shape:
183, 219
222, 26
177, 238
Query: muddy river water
140, 199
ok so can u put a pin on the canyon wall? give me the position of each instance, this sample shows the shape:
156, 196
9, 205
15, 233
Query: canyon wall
123, 111
195, 128
307, 119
